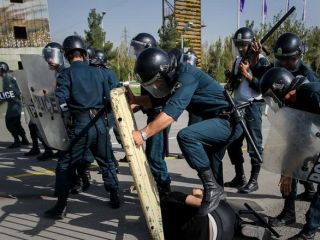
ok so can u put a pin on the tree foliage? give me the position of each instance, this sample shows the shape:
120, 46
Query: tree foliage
169, 35
95, 36
122, 64
217, 57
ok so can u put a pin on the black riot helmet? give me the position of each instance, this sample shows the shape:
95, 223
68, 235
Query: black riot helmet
90, 53
189, 58
175, 56
4, 68
243, 35
288, 45
100, 58
155, 70
53, 54
276, 83
141, 42
72, 44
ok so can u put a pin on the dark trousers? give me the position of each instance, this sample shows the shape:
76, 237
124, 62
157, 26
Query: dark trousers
253, 120
95, 144
204, 143
35, 135
313, 214
13, 124
155, 152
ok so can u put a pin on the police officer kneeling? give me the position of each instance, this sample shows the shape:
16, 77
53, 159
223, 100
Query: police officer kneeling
186, 87
82, 90
295, 92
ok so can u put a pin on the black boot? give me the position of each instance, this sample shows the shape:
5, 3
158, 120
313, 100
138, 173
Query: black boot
252, 185
114, 198
33, 152
48, 154
86, 177
239, 180
15, 144
24, 140
76, 186
164, 190
307, 195
305, 234
287, 215
59, 210
212, 193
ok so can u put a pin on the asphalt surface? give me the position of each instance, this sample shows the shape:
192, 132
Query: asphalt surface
26, 191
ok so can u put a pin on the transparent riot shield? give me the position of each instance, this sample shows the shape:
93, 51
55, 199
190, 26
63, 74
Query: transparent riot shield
293, 143
3, 102
41, 84
27, 102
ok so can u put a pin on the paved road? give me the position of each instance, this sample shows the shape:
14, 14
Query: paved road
30, 183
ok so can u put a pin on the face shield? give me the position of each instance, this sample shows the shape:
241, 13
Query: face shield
53, 57
158, 86
272, 100
291, 63
239, 48
136, 47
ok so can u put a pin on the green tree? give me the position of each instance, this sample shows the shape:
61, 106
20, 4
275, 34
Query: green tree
222, 51
312, 56
169, 35
228, 56
215, 65
95, 36
122, 64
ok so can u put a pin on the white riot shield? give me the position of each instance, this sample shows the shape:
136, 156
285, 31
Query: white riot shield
293, 144
20, 77
41, 84
27, 101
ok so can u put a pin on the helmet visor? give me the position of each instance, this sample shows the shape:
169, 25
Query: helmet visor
96, 61
239, 48
290, 63
272, 100
136, 47
158, 86
53, 56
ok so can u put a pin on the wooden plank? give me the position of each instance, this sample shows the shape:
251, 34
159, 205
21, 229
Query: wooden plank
139, 167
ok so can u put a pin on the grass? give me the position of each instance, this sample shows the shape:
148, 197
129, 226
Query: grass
135, 90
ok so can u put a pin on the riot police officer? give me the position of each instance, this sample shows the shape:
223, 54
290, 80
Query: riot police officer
82, 92
99, 59
284, 89
11, 94
246, 89
288, 51
90, 54
155, 145
53, 55
187, 88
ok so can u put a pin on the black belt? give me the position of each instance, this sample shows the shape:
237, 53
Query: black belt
85, 112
